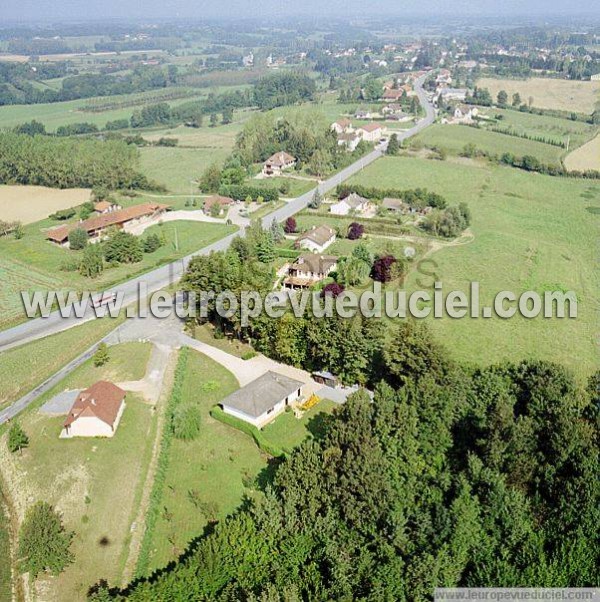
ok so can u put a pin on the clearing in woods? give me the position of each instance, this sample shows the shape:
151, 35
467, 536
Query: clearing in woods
561, 94
28, 204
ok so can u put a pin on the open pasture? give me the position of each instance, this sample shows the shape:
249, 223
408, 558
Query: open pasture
561, 94
28, 204
585, 157
531, 232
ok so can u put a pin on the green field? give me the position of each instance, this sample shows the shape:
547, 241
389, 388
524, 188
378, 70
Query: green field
32, 263
575, 133
95, 483
5, 572
531, 232
453, 138
218, 467
287, 431
24, 367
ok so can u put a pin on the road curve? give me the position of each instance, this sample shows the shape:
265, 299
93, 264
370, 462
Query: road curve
166, 275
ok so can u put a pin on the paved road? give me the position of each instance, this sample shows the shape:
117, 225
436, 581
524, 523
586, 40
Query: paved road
171, 273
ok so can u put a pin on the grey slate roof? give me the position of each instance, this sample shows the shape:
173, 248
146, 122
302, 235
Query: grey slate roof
261, 394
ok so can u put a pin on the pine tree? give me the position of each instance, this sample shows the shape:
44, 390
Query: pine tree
265, 249
316, 200
17, 438
277, 232
393, 145
101, 356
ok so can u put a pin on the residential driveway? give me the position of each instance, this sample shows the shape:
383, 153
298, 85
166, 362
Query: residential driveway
60, 404
150, 386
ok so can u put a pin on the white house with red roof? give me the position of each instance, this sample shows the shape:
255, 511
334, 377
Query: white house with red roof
371, 132
96, 412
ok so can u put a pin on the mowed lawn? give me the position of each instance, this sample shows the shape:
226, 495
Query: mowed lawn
453, 138
531, 232
95, 483
207, 477
561, 94
34, 264
25, 367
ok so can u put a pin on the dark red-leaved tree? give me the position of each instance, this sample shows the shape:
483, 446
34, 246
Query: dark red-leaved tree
382, 268
290, 225
333, 289
355, 231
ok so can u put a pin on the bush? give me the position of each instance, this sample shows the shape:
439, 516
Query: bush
355, 231
78, 239
186, 422
43, 541
290, 225
63, 214
248, 355
17, 438
101, 357
151, 243
122, 247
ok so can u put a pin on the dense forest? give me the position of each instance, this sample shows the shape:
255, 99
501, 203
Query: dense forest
448, 477
68, 162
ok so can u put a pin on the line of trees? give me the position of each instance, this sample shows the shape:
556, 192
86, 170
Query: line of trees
68, 162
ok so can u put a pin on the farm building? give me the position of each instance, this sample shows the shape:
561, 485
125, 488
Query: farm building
96, 412
96, 227
317, 239
263, 399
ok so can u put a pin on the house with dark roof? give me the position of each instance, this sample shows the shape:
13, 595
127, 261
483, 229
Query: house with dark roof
277, 163
263, 399
317, 239
96, 412
309, 269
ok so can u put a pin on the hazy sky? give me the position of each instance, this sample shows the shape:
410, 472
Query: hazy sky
49, 10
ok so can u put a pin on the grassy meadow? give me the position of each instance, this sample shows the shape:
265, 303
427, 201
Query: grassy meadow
26, 366
32, 263
453, 138
207, 477
531, 232
95, 483
547, 93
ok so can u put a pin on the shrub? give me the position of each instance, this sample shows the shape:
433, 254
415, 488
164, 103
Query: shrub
17, 438
248, 355
43, 541
151, 243
355, 231
382, 268
333, 289
102, 355
122, 247
290, 226
77, 239
63, 214
186, 422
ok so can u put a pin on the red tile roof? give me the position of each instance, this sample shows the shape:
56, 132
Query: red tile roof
100, 222
370, 127
102, 400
